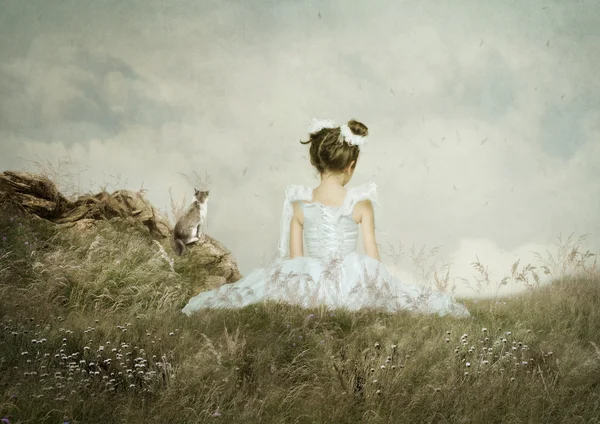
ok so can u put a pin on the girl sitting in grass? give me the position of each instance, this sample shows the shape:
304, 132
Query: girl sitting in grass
325, 220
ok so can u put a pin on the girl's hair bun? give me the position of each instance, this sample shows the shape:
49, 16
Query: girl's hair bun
358, 128
329, 151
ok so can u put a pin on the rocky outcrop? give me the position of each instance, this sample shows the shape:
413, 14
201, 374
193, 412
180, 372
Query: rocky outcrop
35, 193
120, 204
210, 255
38, 195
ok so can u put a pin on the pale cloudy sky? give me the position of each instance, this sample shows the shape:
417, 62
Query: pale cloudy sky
484, 115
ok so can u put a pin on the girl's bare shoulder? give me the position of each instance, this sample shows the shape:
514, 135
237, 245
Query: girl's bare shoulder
297, 206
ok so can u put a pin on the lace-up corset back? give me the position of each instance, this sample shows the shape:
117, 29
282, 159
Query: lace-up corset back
327, 229
326, 233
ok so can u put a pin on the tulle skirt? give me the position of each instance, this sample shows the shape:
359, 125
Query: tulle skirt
353, 282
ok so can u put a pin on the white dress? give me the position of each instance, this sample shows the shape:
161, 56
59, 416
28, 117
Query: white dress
332, 273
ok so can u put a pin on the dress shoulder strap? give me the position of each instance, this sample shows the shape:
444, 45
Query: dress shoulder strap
358, 194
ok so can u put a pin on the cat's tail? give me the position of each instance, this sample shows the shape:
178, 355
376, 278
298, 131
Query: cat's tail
179, 247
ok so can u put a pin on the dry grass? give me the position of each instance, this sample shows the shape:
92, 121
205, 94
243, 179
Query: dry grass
199, 182
177, 209
66, 175
92, 333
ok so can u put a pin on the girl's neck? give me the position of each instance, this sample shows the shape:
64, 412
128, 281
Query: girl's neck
332, 181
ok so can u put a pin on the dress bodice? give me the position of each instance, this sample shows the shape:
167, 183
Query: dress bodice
326, 235
327, 229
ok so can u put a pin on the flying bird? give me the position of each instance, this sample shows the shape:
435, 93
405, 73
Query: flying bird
483, 141
244, 171
453, 186
319, 15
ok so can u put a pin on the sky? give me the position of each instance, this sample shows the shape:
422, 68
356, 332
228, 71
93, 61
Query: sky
483, 116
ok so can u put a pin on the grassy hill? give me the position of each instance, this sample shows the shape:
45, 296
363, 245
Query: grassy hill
92, 333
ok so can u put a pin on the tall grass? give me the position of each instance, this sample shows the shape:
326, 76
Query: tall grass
92, 333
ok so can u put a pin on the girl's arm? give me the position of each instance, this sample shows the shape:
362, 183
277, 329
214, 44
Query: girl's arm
367, 223
296, 226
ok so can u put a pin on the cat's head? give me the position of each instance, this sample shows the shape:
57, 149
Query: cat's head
201, 196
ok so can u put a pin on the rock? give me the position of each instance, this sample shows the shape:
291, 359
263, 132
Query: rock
198, 258
207, 282
213, 256
216, 244
161, 224
227, 268
120, 204
36, 193
137, 206
214, 281
10, 206
230, 263
226, 265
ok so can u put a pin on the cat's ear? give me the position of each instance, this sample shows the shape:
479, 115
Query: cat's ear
207, 191
196, 192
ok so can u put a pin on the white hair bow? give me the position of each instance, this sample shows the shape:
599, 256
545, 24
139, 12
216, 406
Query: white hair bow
346, 133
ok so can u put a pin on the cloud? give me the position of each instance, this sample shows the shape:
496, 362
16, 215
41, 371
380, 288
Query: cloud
58, 91
483, 118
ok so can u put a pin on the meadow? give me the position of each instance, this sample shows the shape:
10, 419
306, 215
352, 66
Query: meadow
92, 333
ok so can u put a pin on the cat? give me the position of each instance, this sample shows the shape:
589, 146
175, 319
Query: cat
188, 228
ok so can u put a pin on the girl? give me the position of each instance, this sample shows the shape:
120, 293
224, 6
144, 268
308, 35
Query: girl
325, 219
